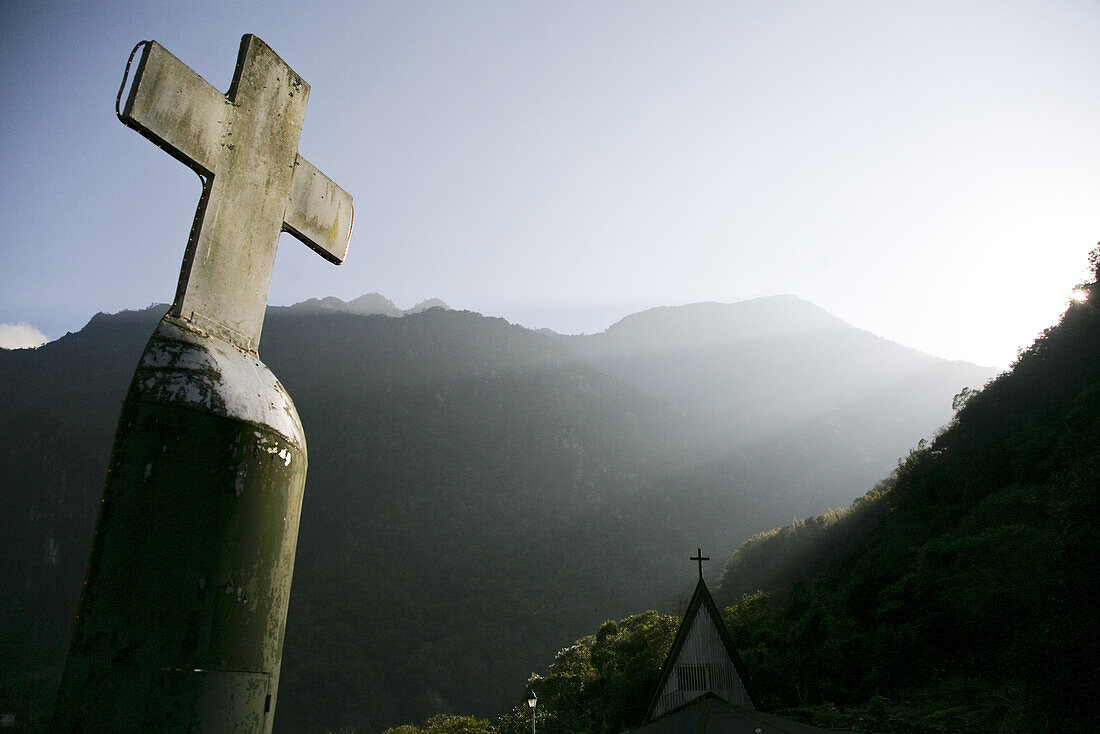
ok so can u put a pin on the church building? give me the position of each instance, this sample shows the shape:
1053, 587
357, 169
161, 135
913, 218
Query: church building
703, 687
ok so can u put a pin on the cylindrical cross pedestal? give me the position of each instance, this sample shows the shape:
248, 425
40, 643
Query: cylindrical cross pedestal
181, 619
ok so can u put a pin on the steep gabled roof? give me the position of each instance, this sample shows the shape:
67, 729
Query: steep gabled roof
702, 660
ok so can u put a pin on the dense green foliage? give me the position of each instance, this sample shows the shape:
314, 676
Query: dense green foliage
601, 684
604, 682
776, 559
446, 724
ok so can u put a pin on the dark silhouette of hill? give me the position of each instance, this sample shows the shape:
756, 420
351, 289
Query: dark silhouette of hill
466, 477
477, 493
478, 490
365, 305
425, 305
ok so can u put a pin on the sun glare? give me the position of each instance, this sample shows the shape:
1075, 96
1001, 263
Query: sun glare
1079, 295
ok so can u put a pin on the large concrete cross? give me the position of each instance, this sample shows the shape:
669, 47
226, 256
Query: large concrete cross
244, 145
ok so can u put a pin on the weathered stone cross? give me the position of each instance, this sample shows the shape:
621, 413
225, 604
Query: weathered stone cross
244, 145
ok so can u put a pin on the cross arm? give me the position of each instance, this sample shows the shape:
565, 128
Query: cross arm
176, 108
319, 213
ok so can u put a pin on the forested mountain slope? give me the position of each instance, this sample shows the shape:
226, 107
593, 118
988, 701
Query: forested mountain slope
472, 486
960, 594
474, 491
477, 493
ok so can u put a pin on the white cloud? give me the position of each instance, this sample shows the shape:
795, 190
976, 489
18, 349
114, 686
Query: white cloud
20, 336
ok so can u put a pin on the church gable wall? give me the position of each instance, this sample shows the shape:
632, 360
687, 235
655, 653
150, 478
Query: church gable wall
702, 665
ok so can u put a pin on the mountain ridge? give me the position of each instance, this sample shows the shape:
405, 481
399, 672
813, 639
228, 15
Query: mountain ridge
758, 316
368, 304
439, 442
742, 374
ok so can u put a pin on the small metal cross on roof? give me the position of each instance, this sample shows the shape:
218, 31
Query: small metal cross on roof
699, 557
244, 145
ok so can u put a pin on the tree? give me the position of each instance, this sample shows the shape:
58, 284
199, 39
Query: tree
447, 724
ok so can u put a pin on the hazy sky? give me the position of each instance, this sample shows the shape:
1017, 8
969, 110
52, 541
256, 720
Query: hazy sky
927, 171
